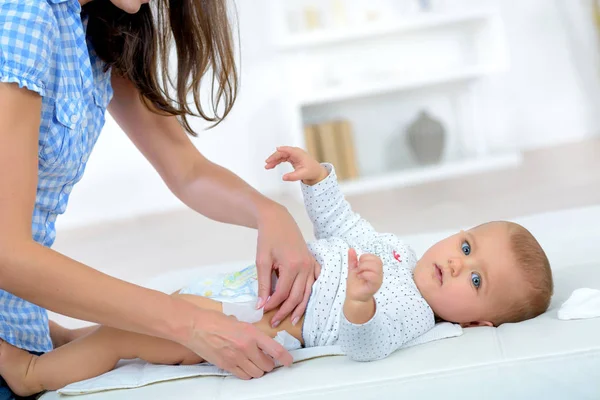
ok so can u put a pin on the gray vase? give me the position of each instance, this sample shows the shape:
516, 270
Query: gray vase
426, 138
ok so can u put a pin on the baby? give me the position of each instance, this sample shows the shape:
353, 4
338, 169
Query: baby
372, 296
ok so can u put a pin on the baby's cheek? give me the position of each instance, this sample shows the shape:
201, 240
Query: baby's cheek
462, 296
455, 300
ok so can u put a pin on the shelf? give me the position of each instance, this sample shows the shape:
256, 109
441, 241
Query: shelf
326, 37
367, 89
430, 173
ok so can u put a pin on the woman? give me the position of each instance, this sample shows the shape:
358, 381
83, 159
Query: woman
55, 87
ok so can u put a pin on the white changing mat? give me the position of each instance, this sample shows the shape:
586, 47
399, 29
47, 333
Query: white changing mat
541, 358
137, 373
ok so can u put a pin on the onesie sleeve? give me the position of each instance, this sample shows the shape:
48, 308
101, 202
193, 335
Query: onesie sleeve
395, 323
401, 313
332, 215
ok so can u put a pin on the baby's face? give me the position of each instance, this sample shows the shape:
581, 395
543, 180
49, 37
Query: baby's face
466, 277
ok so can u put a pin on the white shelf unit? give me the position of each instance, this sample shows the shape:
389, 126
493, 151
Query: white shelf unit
394, 84
448, 55
291, 42
430, 173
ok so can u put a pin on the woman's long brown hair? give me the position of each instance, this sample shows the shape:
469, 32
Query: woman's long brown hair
138, 46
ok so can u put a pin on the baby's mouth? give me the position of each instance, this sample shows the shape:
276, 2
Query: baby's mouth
439, 274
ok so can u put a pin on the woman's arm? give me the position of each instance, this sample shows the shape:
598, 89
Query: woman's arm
220, 195
58, 283
41, 275
182, 167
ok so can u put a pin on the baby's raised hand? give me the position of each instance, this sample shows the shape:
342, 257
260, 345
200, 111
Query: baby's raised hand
365, 276
306, 168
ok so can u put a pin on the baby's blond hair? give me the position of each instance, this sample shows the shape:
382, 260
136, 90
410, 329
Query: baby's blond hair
534, 266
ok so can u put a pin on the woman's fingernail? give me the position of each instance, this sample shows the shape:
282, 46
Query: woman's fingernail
276, 324
259, 303
295, 321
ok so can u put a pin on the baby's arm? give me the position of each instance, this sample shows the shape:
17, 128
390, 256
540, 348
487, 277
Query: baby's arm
325, 204
332, 215
374, 324
385, 332
364, 333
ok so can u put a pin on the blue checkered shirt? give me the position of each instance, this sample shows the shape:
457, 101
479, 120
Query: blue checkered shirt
43, 48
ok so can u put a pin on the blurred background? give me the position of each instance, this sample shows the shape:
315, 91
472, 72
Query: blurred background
438, 114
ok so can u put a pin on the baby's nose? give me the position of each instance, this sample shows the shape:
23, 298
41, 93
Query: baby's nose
455, 265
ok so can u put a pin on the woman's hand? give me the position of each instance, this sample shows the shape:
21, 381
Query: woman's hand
306, 168
237, 347
282, 248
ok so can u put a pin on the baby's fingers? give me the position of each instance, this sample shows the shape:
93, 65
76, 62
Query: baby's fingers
368, 275
275, 156
275, 159
368, 257
369, 260
352, 259
368, 267
296, 175
285, 151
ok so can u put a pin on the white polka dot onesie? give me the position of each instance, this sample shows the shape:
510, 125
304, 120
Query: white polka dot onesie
401, 312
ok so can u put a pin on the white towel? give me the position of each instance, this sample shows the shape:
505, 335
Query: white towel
137, 373
583, 303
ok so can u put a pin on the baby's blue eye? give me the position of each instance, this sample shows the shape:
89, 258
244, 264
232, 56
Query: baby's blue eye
466, 248
476, 279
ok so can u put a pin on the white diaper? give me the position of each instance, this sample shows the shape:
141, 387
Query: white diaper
245, 312
233, 287
237, 291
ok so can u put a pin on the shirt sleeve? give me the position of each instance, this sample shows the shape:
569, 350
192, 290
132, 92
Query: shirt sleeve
331, 214
395, 322
27, 40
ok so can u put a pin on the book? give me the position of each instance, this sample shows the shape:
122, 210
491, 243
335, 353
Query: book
333, 142
311, 140
346, 149
328, 140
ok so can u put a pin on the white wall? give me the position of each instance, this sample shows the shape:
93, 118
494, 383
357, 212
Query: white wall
550, 95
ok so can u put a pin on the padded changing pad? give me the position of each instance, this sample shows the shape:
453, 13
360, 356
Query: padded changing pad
540, 358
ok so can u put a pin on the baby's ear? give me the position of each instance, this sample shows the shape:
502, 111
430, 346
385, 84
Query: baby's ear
476, 323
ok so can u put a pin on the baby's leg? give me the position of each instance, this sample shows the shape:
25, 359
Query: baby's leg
89, 356
84, 358
61, 335
99, 352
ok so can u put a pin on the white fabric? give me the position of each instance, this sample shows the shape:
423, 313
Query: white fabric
583, 303
542, 358
137, 373
245, 312
134, 374
401, 312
